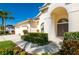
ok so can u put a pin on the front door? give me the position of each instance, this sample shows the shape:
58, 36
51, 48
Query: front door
62, 28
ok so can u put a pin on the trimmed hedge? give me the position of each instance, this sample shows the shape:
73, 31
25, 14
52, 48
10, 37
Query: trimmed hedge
71, 36
37, 38
2, 33
25, 31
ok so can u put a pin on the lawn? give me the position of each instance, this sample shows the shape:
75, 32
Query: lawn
7, 44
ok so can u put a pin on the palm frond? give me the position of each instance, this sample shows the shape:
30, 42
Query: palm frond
11, 18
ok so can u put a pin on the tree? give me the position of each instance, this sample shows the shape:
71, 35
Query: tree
5, 15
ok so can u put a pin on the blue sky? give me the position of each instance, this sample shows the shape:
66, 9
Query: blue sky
21, 11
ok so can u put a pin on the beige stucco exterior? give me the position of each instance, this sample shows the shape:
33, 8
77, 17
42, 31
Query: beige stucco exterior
50, 14
25, 25
54, 13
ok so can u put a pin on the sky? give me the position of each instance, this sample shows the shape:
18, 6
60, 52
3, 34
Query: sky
20, 11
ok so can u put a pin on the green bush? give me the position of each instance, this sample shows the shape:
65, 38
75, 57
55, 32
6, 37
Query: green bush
37, 38
6, 51
12, 51
45, 53
69, 47
70, 44
23, 53
16, 50
25, 31
2, 33
71, 36
7, 32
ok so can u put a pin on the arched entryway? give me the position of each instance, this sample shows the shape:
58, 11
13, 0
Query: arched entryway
62, 26
60, 20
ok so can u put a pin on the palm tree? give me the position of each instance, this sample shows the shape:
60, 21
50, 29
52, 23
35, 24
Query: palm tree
5, 15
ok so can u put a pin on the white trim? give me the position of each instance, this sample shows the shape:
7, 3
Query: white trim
62, 23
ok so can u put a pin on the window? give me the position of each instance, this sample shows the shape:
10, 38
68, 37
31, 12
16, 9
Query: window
62, 26
64, 20
67, 3
42, 27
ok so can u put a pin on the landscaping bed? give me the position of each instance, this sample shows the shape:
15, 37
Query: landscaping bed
10, 48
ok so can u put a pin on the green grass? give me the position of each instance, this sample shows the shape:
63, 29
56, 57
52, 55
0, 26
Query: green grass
7, 44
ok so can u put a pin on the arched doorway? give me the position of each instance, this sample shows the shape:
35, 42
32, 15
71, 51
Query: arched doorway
62, 26
60, 20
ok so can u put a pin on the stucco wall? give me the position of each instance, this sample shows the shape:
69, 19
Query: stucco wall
52, 35
74, 21
43, 19
49, 26
73, 17
10, 37
19, 29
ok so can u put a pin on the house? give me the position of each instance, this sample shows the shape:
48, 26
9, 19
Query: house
54, 19
29, 25
10, 29
58, 18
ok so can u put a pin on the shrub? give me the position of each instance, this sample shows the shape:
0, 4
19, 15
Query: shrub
45, 53
6, 51
19, 51
71, 35
12, 51
16, 50
23, 53
25, 31
38, 38
2, 33
70, 44
69, 47
7, 32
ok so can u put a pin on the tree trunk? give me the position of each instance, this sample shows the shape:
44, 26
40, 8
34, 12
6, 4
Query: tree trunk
3, 25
